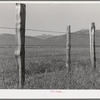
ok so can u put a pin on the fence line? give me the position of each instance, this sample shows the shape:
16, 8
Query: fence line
45, 45
20, 44
48, 31
38, 30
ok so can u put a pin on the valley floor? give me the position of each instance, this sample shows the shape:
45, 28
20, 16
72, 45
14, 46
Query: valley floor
46, 69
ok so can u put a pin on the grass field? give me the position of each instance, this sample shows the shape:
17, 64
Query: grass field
45, 69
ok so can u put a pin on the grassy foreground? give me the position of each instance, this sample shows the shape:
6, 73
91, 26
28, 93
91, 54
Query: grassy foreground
45, 69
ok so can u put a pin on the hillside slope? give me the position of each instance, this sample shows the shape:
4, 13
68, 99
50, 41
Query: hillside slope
78, 38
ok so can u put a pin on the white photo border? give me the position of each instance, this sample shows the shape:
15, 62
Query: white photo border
49, 94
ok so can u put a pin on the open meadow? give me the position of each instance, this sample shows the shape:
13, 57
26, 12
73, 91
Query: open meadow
46, 69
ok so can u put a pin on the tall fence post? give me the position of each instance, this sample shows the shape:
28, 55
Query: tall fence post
92, 45
68, 48
68, 54
20, 43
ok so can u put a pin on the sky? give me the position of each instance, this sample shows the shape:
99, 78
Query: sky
51, 17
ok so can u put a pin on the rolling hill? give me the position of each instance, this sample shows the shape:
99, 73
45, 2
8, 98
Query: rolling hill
43, 36
80, 37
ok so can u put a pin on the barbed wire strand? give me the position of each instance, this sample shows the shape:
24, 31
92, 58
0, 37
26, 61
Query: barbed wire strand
49, 55
48, 31
51, 46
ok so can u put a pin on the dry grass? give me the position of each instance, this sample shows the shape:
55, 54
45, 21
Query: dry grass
45, 69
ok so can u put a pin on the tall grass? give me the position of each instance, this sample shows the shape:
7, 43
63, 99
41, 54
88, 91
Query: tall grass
45, 69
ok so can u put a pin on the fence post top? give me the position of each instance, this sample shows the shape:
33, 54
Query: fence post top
22, 4
68, 27
92, 24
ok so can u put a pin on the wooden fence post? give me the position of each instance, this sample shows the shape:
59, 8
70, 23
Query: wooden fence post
92, 46
68, 54
20, 43
68, 48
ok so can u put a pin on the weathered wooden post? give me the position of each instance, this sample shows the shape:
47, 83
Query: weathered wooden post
68, 54
68, 48
92, 46
20, 43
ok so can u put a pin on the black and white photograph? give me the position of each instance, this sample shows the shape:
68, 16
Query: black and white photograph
50, 45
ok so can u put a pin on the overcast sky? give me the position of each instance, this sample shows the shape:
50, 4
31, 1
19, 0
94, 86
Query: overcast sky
53, 17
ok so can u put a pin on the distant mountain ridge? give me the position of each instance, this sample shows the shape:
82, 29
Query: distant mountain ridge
44, 36
77, 38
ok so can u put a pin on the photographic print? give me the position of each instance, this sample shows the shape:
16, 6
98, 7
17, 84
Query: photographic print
50, 45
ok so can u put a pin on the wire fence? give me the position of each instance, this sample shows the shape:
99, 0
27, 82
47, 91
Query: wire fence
50, 31
41, 58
